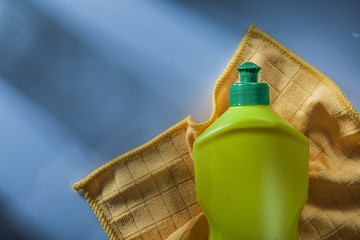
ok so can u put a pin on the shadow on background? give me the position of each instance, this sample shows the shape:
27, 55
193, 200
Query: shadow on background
286, 14
65, 77
17, 226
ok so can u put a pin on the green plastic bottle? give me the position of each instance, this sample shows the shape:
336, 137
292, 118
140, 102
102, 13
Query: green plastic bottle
251, 167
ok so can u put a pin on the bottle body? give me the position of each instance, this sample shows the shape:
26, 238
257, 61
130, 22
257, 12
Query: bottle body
251, 174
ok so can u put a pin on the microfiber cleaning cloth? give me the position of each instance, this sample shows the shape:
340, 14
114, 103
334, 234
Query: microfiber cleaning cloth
149, 192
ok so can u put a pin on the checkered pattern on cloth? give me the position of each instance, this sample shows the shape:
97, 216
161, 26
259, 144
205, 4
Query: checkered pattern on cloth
149, 192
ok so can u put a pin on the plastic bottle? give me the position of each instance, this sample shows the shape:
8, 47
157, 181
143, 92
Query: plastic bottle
251, 167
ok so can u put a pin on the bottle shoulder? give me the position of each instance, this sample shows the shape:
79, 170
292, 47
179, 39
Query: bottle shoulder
249, 117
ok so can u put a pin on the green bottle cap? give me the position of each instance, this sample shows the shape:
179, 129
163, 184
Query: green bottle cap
249, 91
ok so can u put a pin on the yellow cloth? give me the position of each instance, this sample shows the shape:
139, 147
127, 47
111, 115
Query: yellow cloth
149, 192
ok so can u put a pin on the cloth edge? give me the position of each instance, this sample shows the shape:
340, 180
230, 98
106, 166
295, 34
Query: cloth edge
339, 94
101, 216
198, 128
123, 157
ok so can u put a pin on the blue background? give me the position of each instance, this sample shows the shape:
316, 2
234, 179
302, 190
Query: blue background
84, 81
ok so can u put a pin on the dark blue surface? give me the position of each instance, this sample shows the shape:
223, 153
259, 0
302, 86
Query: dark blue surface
84, 81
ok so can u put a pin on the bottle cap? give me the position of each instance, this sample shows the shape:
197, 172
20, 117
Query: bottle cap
249, 91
